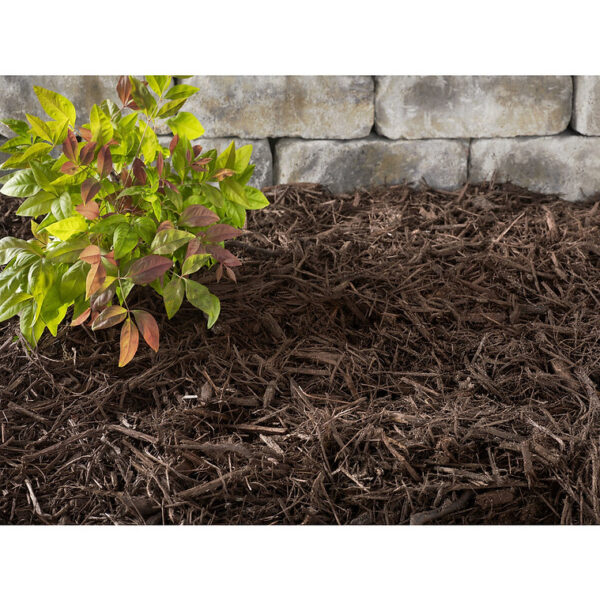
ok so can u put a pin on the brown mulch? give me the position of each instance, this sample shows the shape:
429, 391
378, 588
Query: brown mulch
387, 356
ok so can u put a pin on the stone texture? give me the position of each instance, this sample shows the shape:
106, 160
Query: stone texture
17, 96
346, 165
289, 106
261, 155
473, 106
586, 105
568, 164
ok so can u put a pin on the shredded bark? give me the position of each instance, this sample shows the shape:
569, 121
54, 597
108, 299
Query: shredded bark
384, 354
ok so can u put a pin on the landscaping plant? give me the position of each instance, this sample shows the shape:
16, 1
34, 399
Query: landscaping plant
111, 209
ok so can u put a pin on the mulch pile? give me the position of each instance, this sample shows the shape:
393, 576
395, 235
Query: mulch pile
386, 357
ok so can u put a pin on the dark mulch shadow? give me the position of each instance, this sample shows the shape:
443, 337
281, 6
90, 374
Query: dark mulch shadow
383, 354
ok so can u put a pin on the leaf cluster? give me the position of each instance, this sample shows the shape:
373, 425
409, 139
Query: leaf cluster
111, 209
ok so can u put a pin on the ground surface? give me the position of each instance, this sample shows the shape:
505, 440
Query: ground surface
383, 355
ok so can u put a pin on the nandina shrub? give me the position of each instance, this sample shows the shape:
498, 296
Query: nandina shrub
111, 209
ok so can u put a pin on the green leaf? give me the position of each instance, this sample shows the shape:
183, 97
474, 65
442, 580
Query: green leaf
125, 239
145, 228
17, 160
13, 304
198, 295
194, 263
108, 224
62, 207
66, 228
69, 251
142, 97
72, 284
38, 204
159, 83
22, 184
186, 125
42, 174
170, 108
234, 192
53, 308
58, 131
173, 296
255, 198
168, 240
40, 279
40, 128
181, 91
150, 143
18, 126
100, 126
56, 106
10, 247
242, 158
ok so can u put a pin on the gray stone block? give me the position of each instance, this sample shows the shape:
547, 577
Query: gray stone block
17, 96
567, 165
473, 106
586, 105
288, 106
343, 166
261, 155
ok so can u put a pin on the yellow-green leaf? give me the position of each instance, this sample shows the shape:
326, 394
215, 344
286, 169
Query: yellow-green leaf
66, 228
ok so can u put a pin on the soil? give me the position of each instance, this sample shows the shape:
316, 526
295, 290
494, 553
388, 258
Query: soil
386, 357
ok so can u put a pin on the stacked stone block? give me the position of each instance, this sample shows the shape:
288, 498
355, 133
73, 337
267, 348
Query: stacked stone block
541, 132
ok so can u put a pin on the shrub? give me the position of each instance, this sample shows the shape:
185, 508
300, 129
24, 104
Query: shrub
116, 210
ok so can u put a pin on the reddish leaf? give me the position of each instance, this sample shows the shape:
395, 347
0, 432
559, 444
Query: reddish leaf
69, 168
222, 232
148, 327
223, 173
100, 299
86, 155
110, 257
130, 338
219, 273
133, 106
124, 89
95, 278
173, 143
172, 186
70, 146
203, 161
194, 247
224, 256
125, 179
139, 172
90, 254
148, 268
198, 167
197, 149
89, 188
90, 211
81, 318
230, 274
113, 315
160, 163
165, 225
197, 215
188, 155
86, 134
104, 163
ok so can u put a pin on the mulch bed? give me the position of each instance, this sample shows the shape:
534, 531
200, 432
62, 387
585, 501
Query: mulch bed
390, 356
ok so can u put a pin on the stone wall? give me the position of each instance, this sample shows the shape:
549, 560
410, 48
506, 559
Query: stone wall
541, 132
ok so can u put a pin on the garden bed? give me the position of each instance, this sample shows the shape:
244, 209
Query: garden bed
382, 355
